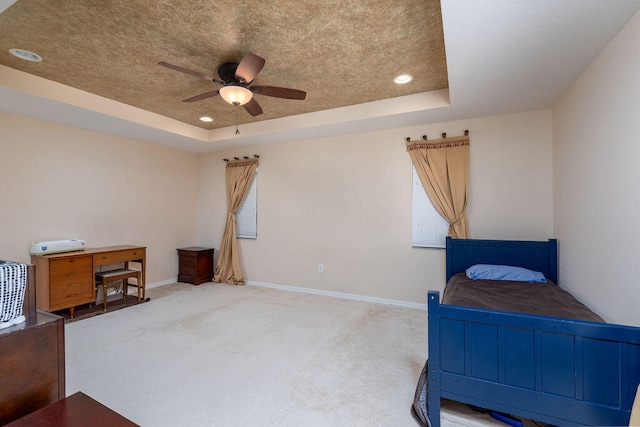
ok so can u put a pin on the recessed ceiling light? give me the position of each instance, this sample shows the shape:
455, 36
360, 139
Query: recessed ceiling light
402, 79
26, 55
206, 119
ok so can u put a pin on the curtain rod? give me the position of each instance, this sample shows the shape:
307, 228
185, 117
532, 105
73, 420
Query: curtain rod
244, 157
444, 135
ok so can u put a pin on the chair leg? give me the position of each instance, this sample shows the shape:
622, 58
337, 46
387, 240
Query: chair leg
104, 295
125, 282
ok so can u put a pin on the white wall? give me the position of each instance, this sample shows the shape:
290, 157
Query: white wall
60, 182
345, 202
596, 128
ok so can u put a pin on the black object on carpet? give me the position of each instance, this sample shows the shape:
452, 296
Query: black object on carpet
85, 311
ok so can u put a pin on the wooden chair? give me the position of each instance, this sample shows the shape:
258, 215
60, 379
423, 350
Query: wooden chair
107, 277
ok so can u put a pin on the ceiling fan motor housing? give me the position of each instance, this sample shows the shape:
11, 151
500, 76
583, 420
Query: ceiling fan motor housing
227, 72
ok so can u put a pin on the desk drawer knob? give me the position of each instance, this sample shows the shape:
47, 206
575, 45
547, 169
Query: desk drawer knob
72, 295
73, 273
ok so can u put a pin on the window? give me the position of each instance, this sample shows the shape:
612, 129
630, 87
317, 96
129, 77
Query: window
429, 228
247, 214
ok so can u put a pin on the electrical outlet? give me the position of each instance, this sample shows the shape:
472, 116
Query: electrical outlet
320, 268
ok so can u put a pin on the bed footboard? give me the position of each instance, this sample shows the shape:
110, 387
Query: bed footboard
559, 371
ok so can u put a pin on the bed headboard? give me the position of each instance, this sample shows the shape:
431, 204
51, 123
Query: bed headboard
534, 255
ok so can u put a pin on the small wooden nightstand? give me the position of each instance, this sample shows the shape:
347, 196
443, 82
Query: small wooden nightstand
195, 265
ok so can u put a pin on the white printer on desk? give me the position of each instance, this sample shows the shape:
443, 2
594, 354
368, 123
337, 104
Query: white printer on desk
56, 246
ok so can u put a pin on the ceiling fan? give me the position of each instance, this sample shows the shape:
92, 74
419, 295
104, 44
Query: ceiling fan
236, 82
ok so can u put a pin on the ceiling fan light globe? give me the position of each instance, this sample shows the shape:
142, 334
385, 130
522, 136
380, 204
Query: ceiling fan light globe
236, 95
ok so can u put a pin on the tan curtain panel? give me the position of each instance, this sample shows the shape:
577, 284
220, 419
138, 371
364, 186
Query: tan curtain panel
443, 168
239, 176
635, 410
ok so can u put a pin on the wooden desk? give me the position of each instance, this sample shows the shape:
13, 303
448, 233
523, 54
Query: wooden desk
67, 280
77, 410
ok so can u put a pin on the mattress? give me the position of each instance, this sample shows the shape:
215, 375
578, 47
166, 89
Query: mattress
542, 299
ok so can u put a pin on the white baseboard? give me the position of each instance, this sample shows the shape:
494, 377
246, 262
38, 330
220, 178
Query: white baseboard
339, 295
162, 283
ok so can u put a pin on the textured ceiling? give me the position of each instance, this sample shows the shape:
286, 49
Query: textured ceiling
340, 53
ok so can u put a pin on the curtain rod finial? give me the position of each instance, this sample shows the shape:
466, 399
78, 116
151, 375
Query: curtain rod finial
236, 158
408, 139
256, 156
226, 160
466, 132
444, 134
424, 137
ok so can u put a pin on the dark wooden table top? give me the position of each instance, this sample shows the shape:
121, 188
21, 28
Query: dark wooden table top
73, 411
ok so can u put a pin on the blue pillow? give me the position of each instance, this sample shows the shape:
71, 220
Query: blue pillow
504, 272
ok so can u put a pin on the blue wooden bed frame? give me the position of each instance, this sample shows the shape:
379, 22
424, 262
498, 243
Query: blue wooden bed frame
554, 370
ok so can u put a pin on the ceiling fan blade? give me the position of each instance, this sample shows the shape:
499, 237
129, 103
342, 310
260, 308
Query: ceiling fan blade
279, 92
201, 96
193, 73
249, 67
253, 107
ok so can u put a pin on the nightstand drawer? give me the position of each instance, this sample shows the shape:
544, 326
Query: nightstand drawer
118, 256
65, 264
187, 271
187, 261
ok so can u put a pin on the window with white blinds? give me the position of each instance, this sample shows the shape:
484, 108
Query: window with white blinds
247, 214
429, 228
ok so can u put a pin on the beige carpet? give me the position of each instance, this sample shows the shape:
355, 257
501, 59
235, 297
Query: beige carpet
224, 355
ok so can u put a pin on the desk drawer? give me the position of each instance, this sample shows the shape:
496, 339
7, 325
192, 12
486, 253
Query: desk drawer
71, 292
59, 276
118, 256
65, 264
